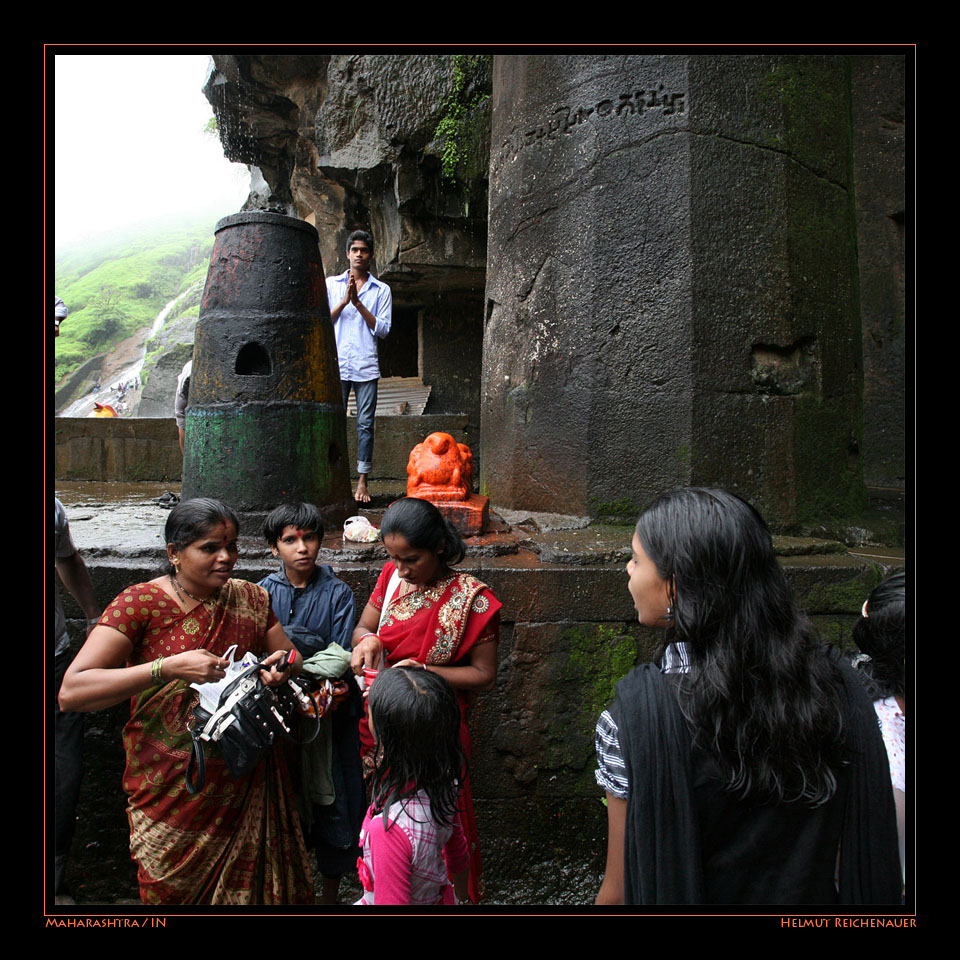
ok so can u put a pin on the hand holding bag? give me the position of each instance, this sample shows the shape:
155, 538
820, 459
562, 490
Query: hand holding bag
249, 719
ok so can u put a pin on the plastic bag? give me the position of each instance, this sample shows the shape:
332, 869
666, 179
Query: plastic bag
360, 530
210, 692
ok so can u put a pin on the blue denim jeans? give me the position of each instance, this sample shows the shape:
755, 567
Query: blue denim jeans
366, 394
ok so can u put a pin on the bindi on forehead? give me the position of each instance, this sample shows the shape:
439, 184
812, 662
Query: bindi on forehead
224, 533
290, 531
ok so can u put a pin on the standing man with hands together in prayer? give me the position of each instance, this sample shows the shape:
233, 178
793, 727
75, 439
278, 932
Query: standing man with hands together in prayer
361, 308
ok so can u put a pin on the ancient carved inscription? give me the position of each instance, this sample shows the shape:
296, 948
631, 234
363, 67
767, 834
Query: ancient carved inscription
566, 119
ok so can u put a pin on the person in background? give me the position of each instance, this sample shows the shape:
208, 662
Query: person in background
880, 636
361, 308
68, 726
180, 399
59, 314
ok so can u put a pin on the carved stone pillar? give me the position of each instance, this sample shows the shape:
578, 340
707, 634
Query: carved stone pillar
670, 284
265, 421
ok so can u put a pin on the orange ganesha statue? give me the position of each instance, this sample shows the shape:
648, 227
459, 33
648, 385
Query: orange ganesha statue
440, 469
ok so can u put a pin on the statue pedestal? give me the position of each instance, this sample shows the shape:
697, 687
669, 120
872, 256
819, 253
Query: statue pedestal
469, 516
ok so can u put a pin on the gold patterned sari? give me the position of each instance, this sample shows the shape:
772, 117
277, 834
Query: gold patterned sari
237, 841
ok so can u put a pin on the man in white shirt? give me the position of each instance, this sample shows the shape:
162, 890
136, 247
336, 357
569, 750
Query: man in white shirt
361, 308
59, 314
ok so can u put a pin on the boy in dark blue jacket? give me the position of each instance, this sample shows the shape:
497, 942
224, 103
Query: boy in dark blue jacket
317, 609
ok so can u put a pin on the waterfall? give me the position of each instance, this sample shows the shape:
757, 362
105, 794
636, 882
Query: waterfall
108, 394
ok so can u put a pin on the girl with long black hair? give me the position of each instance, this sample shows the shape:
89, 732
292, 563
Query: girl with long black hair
412, 840
738, 768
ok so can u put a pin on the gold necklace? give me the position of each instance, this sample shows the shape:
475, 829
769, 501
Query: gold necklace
178, 587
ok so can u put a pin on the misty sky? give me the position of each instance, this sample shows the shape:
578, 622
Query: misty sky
130, 145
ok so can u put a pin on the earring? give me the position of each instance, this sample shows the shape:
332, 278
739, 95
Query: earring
668, 616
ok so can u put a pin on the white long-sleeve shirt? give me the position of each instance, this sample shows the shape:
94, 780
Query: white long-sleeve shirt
356, 342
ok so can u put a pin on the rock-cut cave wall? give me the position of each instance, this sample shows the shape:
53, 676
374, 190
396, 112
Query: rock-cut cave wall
400, 145
348, 142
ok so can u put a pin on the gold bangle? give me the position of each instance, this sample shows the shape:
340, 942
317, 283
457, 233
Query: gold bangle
155, 669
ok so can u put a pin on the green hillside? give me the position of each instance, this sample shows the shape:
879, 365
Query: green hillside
118, 285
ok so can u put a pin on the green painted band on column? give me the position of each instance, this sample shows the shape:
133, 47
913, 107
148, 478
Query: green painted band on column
254, 456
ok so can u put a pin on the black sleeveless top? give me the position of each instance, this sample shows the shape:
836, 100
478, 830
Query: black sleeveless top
690, 841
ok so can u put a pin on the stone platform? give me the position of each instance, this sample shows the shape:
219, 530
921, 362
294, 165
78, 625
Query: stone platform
569, 632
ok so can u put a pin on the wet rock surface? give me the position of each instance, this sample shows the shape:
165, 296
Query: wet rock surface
174, 344
805, 546
545, 522
349, 140
594, 544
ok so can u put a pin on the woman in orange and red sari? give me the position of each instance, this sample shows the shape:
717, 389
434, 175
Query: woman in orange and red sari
238, 840
424, 614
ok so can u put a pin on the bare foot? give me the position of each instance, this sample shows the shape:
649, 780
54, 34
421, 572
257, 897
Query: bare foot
362, 494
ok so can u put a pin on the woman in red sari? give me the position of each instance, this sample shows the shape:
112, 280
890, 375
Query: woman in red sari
423, 614
237, 841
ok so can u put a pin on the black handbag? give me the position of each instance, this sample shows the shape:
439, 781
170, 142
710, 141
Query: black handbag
249, 719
